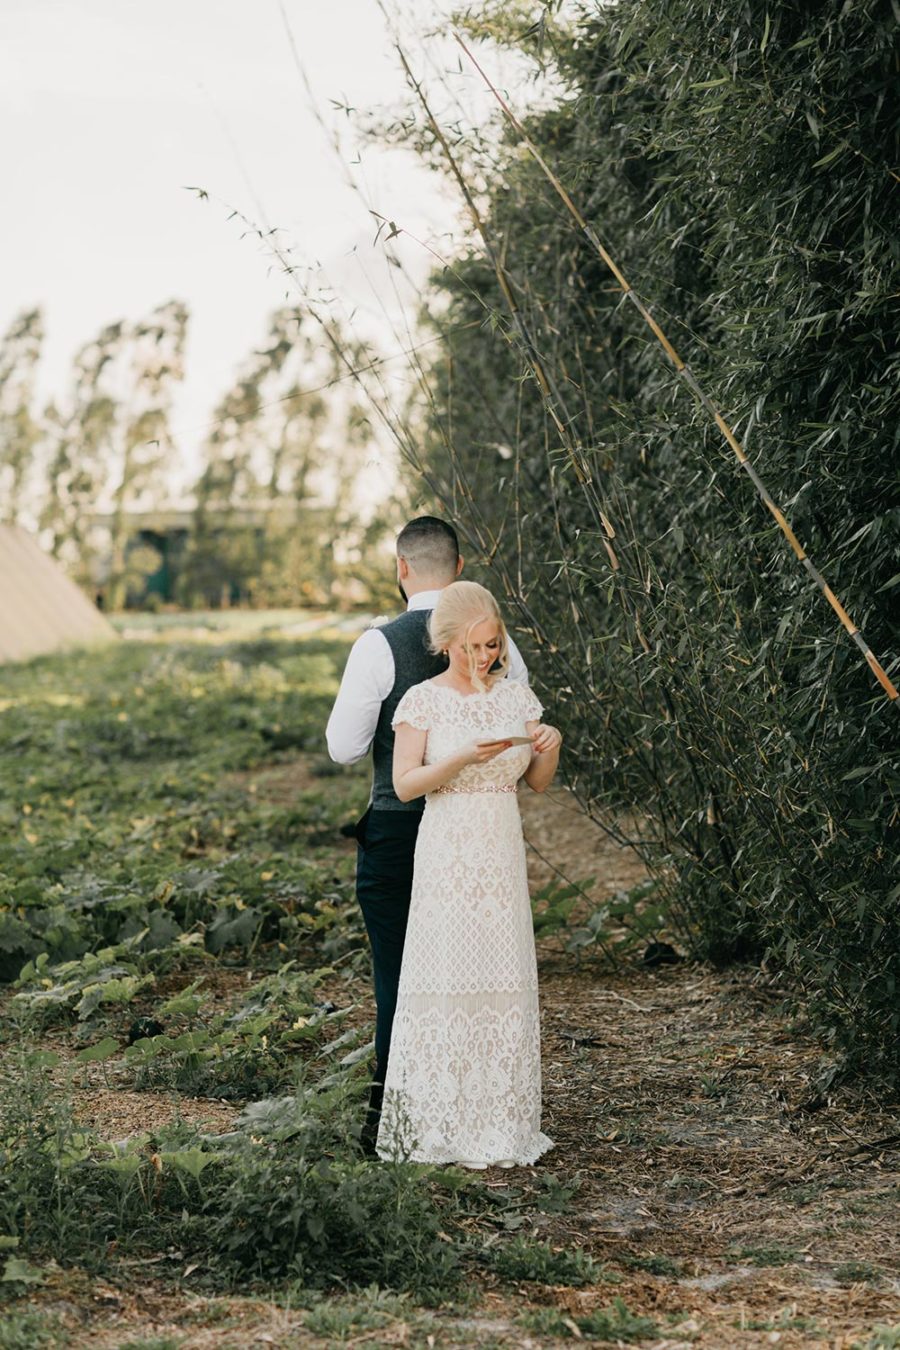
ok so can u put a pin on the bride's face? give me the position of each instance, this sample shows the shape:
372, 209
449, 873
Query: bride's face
482, 647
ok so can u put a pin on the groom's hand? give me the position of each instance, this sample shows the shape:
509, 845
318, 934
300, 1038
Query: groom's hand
545, 738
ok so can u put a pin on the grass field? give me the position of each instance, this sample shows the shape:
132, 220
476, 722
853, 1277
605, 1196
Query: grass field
186, 1023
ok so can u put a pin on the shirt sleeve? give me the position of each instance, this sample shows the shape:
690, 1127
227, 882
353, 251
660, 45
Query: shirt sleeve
413, 708
518, 671
367, 680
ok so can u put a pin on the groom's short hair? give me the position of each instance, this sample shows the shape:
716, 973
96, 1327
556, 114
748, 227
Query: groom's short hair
430, 546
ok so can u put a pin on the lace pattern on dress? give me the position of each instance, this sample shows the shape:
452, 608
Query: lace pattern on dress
470, 1088
413, 708
463, 1079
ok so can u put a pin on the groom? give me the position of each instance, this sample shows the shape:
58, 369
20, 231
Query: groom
383, 663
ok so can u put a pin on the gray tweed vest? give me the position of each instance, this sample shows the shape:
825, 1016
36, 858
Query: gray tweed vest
407, 637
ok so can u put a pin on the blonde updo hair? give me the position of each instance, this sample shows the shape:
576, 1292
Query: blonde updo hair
461, 606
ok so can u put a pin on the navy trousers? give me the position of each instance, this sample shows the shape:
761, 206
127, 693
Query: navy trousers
384, 873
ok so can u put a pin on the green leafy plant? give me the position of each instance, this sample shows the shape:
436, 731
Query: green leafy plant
27, 1329
345, 1319
882, 1338
245, 1053
328, 1215
521, 1259
653, 1264
763, 1255
616, 1323
857, 1272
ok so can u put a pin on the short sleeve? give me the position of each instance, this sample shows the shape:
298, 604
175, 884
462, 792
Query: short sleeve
413, 708
530, 704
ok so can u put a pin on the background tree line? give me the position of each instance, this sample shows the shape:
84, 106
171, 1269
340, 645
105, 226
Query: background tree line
740, 162
275, 515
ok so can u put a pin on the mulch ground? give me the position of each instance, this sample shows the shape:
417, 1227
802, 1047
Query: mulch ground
728, 1197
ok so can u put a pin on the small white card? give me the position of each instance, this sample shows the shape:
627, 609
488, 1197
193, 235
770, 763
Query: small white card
513, 740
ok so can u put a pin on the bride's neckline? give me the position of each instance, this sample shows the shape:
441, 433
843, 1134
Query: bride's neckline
476, 693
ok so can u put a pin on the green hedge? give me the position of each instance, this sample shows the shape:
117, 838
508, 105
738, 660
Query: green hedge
740, 163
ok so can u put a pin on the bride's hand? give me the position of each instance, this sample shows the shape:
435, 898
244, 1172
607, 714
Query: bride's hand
479, 752
545, 738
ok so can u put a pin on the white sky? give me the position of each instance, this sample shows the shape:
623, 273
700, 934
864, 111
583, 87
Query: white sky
111, 107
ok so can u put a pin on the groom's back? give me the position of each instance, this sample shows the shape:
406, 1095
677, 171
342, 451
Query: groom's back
407, 637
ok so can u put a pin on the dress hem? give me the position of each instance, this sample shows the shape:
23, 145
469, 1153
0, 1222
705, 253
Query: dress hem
448, 1158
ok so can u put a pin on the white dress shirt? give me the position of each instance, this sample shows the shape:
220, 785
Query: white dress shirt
368, 679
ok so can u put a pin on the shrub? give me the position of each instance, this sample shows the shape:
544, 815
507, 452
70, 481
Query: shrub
285, 1210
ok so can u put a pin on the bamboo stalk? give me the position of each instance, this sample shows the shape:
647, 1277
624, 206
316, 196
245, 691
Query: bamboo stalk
684, 371
549, 390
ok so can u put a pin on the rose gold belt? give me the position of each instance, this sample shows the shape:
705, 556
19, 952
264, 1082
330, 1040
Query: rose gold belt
505, 787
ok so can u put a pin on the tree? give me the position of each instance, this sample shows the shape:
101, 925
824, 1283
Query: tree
277, 487
109, 440
20, 351
77, 430
141, 442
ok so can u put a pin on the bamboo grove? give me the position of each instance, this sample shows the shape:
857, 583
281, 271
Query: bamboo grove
742, 165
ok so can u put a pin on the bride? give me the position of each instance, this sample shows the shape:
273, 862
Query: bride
463, 1082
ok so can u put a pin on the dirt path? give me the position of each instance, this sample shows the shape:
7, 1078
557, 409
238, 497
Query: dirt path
686, 1103
727, 1198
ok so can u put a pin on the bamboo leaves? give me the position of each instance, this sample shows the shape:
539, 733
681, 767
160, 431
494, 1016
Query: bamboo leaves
696, 388
735, 738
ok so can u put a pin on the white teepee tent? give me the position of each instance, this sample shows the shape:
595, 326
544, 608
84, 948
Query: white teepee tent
41, 609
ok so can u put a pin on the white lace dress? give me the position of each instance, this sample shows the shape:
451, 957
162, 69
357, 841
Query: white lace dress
463, 1082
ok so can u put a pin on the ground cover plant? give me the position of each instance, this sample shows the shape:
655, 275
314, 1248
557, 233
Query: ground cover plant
135, 871
139, 868
182, 1085
117, 784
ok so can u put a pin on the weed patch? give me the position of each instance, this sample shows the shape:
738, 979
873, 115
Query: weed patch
286, 1196
764, 1255
23, 1329
329, 1220
857, 1272
340, 1320
615, 1323
654, 1265
882, 1338
521, 1259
